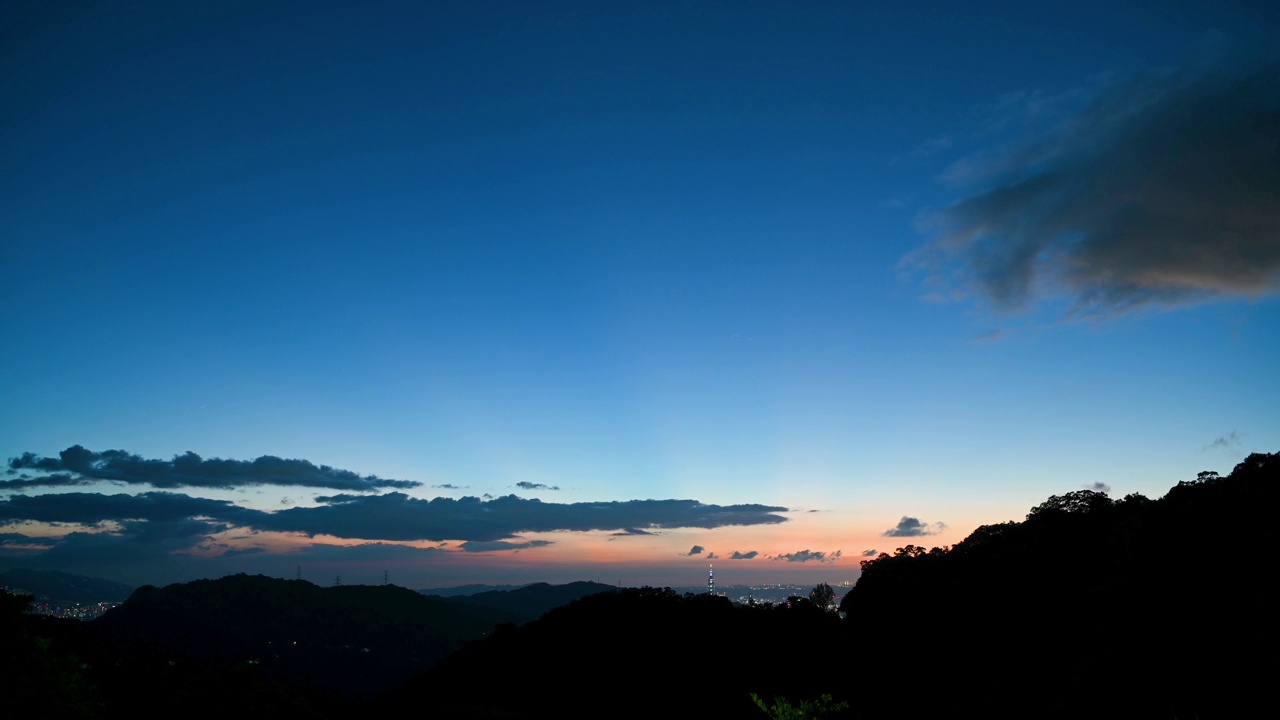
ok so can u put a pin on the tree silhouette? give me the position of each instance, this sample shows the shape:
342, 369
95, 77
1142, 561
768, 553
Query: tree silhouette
822, 595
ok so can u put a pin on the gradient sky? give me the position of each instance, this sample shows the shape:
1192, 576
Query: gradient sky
505, 292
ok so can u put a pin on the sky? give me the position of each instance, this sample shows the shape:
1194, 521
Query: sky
516, 292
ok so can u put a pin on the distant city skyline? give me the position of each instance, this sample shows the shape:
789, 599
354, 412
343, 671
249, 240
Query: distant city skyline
499, 292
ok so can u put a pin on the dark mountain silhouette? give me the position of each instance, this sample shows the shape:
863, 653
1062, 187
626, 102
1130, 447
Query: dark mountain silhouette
526, 603
473, 589
286, 639
63, 588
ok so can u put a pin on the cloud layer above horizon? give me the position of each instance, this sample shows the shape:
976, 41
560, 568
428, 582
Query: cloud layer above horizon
393, 516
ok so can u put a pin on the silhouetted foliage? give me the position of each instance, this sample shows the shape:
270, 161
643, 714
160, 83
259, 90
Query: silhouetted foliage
1151, 596
783, 709
822, 595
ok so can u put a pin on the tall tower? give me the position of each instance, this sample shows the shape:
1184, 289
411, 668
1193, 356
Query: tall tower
711, 579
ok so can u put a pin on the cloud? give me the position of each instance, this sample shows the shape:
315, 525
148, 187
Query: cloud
990, 336
1230, 440
231, 552
712, 556
751, 555
1098, 487
24, 481
933, 146
497, 545
871, 553
526, 485
810, 556
78, 465
448, 486
13, 538
695, 550
392, 516
912, 527
632, 531
1162, 191
396, 516
96, 508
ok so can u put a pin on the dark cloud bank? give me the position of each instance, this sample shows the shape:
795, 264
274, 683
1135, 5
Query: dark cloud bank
1163, 191
393, 516
80, 466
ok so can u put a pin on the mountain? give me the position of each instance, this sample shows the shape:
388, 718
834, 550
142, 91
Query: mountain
63, 588
526, 603
465, 590
344, 643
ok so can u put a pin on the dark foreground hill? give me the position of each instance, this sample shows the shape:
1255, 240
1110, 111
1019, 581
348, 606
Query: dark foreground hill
643, 652
1129, 608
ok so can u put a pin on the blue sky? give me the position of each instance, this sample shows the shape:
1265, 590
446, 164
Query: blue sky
820, 268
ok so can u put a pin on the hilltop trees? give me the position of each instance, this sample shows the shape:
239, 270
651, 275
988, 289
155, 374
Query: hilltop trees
1087, 588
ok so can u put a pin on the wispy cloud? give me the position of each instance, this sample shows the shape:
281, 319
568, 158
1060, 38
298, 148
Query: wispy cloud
749, 555
1229, 441
499, 545
632, 531
1163, 191
912, 527
991, 336
1097, 487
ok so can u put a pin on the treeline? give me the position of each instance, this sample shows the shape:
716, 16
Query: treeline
1124, 608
